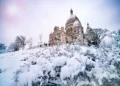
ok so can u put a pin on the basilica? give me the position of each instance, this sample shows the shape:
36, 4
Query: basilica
73, 32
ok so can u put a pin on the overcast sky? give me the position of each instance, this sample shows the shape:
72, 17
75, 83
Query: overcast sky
34, 17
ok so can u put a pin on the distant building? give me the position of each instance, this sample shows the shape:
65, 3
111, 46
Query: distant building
73, 32
73, 29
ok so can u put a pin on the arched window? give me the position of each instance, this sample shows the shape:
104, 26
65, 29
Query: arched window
70, 29
75, 30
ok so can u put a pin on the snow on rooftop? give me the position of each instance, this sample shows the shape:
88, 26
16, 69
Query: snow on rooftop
71, 17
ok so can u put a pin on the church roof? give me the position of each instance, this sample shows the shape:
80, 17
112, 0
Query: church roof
72, 18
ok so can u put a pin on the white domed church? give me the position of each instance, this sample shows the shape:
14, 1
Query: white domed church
74, 29
73, 32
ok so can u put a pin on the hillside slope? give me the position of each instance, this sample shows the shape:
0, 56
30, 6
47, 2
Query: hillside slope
63, 65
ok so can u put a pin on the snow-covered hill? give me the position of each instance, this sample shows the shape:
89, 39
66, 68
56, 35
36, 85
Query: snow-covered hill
63, 65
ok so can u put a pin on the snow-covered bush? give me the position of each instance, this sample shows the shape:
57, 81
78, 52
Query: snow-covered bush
20, 40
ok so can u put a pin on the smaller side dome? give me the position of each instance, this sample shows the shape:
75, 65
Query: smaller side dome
56, 28
76, 23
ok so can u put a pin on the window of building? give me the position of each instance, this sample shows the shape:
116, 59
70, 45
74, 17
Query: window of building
75, 37
74, 30
66, 41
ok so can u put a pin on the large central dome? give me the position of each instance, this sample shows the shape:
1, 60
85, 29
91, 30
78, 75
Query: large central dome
70, 21
74, 29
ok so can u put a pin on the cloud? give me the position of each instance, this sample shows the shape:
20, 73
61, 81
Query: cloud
40, 16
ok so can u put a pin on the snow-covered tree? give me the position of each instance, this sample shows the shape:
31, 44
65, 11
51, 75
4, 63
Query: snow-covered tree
40, 38
18, 44
13, 47
91, 37
29, 42
2, 48
20, 40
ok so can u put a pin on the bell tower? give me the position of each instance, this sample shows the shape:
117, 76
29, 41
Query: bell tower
88, 26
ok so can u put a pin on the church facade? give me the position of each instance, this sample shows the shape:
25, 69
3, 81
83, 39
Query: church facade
58, 36
72, 32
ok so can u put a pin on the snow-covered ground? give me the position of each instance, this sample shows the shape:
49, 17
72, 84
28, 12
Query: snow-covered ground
63, 65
